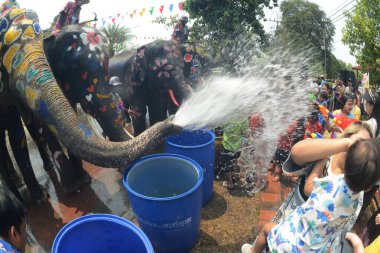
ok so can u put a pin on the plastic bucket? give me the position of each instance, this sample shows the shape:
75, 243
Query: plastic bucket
199, 146
165, 192
98, 233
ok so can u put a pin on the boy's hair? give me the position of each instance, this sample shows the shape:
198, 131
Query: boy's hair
362, 166
11, 211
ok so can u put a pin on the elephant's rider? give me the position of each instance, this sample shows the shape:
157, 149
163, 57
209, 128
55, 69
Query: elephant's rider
125, 95
12, 223
69, 15
181, 31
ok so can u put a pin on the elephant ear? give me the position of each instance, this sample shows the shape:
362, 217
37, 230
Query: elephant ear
139, 65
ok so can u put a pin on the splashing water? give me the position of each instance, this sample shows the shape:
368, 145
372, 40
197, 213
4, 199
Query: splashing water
276, 89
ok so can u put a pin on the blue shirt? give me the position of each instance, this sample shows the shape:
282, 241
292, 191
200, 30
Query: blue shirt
6, 247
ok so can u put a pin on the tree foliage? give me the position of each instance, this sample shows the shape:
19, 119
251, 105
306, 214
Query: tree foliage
306, 26
362, 34
119, 38
217, 21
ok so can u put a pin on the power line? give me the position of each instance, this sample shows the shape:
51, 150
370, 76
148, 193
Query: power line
337, 7
341, 8
342, 15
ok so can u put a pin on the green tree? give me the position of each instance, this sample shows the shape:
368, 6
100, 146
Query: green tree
219, 22
119, 38
305, 26
362, 34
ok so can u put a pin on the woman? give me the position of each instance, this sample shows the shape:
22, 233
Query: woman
343, 117
348, 170
331, 166
372, 109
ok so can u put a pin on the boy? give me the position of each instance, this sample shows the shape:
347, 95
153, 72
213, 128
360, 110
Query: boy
12, 223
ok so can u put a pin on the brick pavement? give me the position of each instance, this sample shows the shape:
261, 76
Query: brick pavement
271, 199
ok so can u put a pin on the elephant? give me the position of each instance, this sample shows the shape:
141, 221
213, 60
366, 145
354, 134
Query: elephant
27, 82
151, 75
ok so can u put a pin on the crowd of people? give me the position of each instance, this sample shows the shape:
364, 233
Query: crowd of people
333, 156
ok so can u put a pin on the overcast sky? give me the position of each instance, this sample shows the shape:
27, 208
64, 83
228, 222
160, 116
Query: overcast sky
143, 29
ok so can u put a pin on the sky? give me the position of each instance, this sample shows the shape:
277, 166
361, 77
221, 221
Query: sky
144, 31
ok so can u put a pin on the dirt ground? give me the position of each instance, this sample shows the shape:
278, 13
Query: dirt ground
228, 221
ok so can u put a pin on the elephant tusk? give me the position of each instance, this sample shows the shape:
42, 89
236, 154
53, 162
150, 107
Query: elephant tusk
171, 94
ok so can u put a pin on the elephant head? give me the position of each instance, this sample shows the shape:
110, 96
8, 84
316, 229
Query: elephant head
27, 74
161, 64
79, 60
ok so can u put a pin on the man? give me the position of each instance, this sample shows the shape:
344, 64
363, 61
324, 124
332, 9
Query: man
181, 31
69, 15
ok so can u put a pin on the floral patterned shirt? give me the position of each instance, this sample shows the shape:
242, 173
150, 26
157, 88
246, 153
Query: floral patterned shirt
312, 227
6, 247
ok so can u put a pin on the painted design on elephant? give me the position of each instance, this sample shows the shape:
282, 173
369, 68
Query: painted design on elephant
19, 19
31, 96
162, 67
86, 131
90, 88
16, 12
30, 73
37, 28
28, 33
89, 37
172, 51
8, 57
188, 57
17, 60
89, 97
43, 111
3, 25
21, 87
12, 35
34, 51
45, 76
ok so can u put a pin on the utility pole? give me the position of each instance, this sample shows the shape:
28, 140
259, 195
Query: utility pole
324, 47
324, 44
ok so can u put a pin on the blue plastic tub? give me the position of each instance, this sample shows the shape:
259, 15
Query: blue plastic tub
99, 233
199, 146
165, 192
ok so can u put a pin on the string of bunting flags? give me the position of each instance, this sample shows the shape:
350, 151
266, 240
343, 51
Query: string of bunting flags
135, 13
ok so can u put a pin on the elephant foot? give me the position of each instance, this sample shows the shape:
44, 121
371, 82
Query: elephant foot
71, 188
40, 197
83, 177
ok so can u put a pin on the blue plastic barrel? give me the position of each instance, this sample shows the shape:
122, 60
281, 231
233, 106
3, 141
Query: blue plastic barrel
99, 233
165, 192
199, 146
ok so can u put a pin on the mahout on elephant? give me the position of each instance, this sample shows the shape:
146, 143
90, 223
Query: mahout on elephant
29, 83
157, 74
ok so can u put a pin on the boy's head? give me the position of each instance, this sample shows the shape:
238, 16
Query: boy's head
12, 219
362, 165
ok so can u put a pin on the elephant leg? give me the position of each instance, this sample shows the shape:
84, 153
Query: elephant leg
157, 107
66, 169
19, 146
138, 109
82, 175
6, 166
33, 127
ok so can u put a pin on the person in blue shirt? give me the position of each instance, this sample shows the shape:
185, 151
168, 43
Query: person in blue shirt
12, 223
